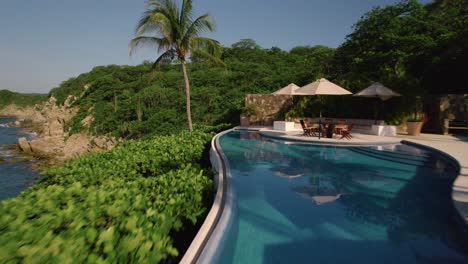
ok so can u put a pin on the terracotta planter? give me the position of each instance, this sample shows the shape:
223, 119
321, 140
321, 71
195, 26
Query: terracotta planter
414, 128
245, 121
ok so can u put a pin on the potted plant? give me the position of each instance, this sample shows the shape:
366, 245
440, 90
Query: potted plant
415, 123
247, 112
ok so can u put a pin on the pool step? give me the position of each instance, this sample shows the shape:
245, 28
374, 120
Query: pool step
395, 154
406, 161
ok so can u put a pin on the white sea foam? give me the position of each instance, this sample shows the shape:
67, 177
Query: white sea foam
5, 152
4, 125
31, 135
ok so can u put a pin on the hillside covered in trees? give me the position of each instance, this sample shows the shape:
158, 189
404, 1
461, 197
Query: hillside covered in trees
415, 49
9, 97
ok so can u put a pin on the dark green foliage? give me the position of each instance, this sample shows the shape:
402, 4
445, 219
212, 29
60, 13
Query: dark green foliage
417, 49
22, 100
113, 206
245, 44
130, 101
412, 48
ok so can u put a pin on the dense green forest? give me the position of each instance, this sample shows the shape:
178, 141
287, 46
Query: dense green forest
9, 97
412, 48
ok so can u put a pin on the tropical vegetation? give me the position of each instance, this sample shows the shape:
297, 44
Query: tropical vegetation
123, 205
19, 99
412, 48
179, 37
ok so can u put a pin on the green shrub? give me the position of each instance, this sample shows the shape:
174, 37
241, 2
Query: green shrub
115, 206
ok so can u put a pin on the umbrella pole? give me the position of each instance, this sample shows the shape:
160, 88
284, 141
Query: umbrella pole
320, 115
376, 110
320, 106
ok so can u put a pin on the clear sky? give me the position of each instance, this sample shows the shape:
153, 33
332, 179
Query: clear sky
44, 42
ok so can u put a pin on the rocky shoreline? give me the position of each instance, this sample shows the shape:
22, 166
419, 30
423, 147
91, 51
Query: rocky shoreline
53, 143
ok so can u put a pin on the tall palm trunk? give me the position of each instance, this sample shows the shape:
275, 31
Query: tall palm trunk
187, 95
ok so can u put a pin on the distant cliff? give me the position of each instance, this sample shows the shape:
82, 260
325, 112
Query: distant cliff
20, 99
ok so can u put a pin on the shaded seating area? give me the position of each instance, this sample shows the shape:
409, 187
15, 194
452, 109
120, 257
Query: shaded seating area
327, 129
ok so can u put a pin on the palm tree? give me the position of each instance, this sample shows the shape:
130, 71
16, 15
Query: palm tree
174, 33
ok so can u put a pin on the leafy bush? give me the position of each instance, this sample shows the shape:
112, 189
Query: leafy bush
115, 206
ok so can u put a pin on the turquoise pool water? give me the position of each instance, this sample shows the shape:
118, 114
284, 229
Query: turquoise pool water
316, 204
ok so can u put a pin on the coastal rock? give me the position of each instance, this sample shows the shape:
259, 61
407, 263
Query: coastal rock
48, 120
24, 145
48, 146
69, 101
86, 122
104, 142
76, 145
55, 128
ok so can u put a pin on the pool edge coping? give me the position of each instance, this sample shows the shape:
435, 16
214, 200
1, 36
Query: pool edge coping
205, 233
199, 243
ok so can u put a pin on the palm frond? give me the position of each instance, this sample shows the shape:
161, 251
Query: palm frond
208, 48
175, 31
162, 18
206, 44
159, 43
215, 59
185, 15
201, 24
165, 58
169, 10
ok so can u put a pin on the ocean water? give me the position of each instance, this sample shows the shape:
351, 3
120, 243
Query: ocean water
316, 204
15, 171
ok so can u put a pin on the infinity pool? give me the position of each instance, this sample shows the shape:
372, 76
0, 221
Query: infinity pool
317, 204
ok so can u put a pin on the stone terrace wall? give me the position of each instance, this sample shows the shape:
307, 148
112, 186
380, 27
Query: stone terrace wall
441, 107
268, 107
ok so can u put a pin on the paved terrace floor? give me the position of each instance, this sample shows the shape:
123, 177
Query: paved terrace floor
453, 146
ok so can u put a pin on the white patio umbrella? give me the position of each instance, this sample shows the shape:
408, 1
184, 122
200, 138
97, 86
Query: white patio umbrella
322, 87
290, 89
377, 90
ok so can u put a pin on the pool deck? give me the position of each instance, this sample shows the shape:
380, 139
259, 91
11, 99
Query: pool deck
452, 146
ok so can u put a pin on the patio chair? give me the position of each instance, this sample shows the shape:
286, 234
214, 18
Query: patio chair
328, 121
341, 122
345, 133
340, 125
308, 131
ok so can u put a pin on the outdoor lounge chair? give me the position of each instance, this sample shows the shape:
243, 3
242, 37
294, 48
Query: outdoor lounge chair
345, 133
308, 131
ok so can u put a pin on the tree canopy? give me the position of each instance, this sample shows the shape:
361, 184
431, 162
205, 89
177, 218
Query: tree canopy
412, 48
177, 36
420, 48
